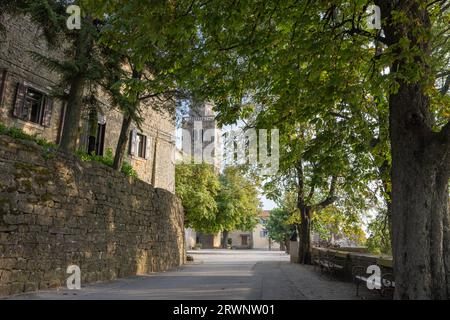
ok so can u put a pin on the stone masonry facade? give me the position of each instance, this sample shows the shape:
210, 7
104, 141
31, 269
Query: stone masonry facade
18, 68
57, 211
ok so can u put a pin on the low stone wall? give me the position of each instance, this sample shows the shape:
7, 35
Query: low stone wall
56, 211
352, 259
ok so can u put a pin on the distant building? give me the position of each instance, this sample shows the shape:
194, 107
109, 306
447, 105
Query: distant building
258, 238
261, 238
201, 136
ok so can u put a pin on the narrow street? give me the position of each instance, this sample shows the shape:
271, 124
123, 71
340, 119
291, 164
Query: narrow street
218, 274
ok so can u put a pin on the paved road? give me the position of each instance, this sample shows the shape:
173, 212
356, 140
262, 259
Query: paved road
218, 274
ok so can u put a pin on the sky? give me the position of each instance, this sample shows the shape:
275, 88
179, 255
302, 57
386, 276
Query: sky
267, 204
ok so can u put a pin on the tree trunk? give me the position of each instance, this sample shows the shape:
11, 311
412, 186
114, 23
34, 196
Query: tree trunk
420, 222
420, 164
287, 244
304, 247
128, 111
122, 143
225, 239
69, 139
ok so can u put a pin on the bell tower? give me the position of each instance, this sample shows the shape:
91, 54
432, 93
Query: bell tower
201, 137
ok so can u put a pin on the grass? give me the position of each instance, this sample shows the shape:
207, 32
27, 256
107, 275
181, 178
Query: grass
107, 159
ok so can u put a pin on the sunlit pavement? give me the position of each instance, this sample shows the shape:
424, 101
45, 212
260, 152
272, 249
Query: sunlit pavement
218, 274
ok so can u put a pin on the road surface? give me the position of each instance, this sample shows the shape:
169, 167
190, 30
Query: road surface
218, 274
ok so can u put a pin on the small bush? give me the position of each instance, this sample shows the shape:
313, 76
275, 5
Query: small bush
108, 159
17, 133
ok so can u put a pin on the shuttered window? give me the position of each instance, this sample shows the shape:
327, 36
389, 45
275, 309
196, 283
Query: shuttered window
32, 105
138, 144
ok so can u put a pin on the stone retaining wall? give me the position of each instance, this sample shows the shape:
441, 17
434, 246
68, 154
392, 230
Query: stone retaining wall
350, 259
56, 211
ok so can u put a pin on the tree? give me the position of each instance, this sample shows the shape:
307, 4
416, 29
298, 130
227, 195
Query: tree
237, 202
333, 223
379, 240
278, 227
317, 58
197, 186
146, 43
214, 204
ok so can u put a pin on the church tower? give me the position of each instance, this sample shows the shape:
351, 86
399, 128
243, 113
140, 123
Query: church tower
201, 137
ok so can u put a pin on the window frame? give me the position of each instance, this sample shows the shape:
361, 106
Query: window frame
41, 106
22, 110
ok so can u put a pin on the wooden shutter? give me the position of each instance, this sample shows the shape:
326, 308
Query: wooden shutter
2, 84
133, 140
20, 111
48, 109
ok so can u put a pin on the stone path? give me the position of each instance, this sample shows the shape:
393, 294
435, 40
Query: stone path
220, 274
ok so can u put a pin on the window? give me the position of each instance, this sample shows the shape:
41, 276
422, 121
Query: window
32, 105
138, 145
264, 233
244, 240
141, 145
100, 140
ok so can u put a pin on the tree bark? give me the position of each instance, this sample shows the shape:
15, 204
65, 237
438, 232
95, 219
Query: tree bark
69, 138
420, 220
420, 167
225, 239
304, 248
70, 134
122, 143
129, 109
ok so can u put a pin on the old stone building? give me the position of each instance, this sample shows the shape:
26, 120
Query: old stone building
26, 103
201, 136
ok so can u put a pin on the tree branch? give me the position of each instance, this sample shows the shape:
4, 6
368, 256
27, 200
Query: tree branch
446, 86
330, 198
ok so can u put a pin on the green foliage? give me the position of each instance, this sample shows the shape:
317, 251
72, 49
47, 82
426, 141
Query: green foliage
237, 202
379, 240
108, 160
278, 226
17, 133
334, 223
197, 186
213, 203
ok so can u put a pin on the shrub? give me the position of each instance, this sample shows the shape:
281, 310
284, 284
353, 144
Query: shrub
17, 133
108, 159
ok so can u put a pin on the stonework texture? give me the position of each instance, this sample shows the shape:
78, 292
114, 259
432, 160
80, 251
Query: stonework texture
18, 66
56, 211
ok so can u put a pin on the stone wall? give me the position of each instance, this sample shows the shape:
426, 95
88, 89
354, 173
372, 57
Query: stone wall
56, 211
349, 257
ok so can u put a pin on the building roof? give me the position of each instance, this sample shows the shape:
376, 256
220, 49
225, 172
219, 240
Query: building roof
264, 214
